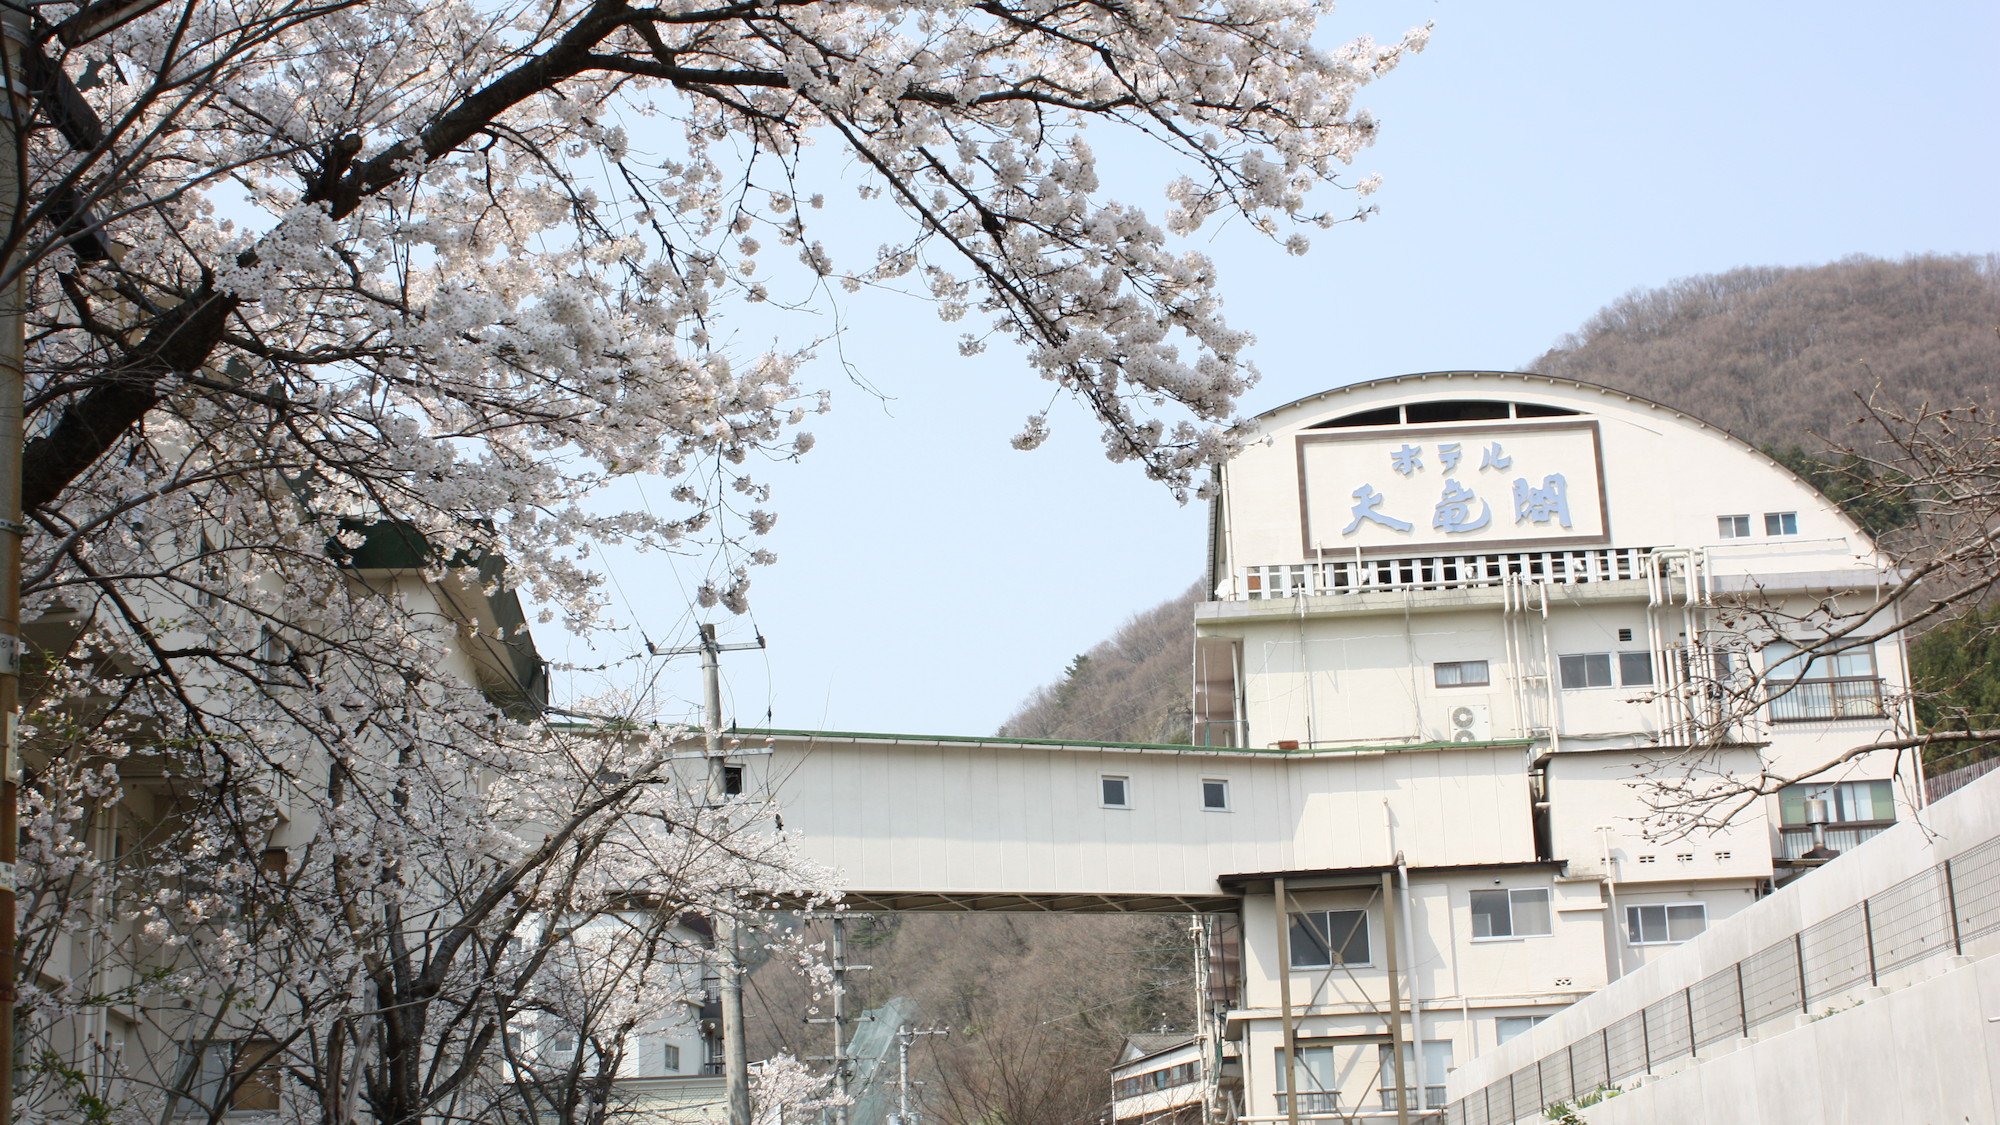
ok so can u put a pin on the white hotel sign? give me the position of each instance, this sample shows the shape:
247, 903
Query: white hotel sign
1453, 488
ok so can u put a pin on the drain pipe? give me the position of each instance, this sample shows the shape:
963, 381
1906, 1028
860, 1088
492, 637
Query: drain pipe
1416, 1002
1611, 897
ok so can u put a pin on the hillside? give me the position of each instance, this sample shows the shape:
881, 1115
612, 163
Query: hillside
1774, 353
1131, 688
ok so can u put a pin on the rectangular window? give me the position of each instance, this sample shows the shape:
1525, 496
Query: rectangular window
1835, 685
236, 1075
1781, 523
1665, 925
1507, 1027
1319, 1086
1461, 673
1635, 669
1324, 938
1215, 794
1733, 527
1585, 670
670, 1057
1116, 791
732, 781
1437, 1064
1512, 913
1846, 801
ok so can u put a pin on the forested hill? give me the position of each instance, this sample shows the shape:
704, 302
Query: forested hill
1774, 354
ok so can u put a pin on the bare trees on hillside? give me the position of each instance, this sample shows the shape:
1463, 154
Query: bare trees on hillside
1776, 353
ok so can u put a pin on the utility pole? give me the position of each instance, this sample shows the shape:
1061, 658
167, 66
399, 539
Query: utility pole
903, 1040
843, 1066
735, 1049
843, 1072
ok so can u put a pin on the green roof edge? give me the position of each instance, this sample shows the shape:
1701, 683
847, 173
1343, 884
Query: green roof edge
1181, 747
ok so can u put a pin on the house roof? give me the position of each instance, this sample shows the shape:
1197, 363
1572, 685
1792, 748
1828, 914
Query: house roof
1152, 1043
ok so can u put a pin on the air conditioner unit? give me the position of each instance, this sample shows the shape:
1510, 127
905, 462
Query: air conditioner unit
1470, 722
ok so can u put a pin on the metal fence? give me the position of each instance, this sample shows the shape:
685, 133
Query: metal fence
1936, 912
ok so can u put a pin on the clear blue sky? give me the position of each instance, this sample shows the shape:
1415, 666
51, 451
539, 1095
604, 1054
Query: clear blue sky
1541, 159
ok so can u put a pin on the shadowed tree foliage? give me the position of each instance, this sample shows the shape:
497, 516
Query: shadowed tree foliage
1879, 502
1957, 670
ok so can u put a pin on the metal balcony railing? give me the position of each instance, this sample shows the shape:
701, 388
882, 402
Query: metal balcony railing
1858, 697
1841, 838
1311, 1101
1331, 576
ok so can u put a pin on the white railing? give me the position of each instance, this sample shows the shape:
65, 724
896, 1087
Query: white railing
1333, 576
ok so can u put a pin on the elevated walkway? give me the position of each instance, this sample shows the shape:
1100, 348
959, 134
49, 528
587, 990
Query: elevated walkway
1024, 825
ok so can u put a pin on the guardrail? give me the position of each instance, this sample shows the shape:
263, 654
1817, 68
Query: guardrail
1934, 913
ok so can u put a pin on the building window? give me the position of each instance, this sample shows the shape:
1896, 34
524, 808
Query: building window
236, 1075
1215, 794
1733, 527
1324, 938
1507, 1027
1856, 812
1461, 673
1846, 801
1180, 1074
1523, 912
1839, 685
1665, 925
1635, 669
1437, 1064
1319, 1086
1593, 669
670, 1057
1116, 791
1585, 670
1781, 523
732, 781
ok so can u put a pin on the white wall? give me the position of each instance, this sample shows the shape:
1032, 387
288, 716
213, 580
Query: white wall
924, 815
1919, 1056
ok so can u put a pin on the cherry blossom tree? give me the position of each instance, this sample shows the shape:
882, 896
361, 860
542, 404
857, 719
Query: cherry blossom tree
340, 318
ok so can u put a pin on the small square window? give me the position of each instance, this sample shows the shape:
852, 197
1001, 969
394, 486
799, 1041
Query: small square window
732, 781
1215, 794
1585, 670
1635, 669
1323, 938
670, 1057
1781, 523
1733, 527
1116, 791
1461, 673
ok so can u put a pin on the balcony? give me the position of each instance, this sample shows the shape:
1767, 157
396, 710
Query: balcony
1842, 838
1856, 697
1336, 576
1324, 1102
